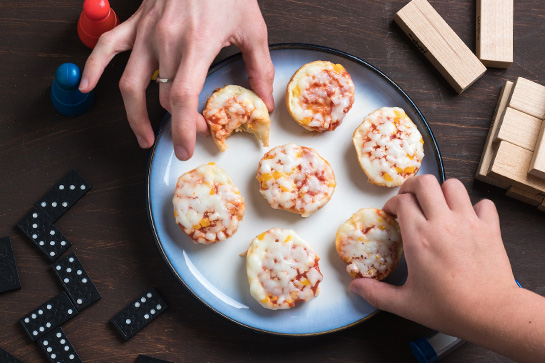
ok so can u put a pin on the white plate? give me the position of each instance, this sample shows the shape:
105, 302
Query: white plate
216, 274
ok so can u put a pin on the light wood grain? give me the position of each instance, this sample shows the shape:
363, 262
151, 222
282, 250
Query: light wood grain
537, 164
440, 44
488, 150
528, 97
511, 163
518, 128
525, 196
495, 32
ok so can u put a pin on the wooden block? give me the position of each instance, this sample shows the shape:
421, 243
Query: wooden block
488, 152
518, 128
510, 164
440, 44
528, 97
525, 196
537, 164
495, 32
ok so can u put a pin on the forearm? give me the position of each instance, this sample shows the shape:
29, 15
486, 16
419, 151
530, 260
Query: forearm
513, 326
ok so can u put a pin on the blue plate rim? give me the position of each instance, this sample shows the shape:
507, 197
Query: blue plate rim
221, 64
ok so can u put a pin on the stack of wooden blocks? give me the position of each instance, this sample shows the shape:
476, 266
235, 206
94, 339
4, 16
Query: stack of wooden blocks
448, 53
514, 153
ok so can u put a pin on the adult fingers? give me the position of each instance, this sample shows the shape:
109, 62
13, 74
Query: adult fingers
117, 40
133, 84
379, 294
428, 192
456, 196
184, 99
255, 52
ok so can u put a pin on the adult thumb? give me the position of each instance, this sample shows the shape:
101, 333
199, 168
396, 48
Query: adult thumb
379, 294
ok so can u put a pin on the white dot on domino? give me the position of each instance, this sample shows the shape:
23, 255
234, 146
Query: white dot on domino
82, 187
62, 341
84, 280
34, 225
44, 204
79, 301
64, 204
146, 316
54, 204
72, 187
59, 335
49, 349
71, 356
52, 232
66, 280
68, 270
137, 304
71, 259
59, 267
61, 187
46, 343
128, 321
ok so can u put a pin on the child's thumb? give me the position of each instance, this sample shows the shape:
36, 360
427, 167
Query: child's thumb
381, 295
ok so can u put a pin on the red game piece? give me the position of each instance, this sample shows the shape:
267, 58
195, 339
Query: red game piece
96, 18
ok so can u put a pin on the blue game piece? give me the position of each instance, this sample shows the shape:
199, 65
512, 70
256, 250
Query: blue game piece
66, 97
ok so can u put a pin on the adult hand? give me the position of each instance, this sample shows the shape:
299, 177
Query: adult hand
181, 38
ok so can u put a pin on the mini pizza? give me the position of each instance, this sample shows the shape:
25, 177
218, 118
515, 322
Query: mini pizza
389, 146
234, 108
207, 206
282, 269
295, 178
319, 95
370, 244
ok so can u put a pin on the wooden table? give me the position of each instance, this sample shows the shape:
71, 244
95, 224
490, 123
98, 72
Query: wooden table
109, 227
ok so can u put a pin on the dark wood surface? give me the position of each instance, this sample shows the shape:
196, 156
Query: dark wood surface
109, 228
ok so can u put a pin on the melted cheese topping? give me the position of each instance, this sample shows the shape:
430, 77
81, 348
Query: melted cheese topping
295, 178
319, 95
370, 243
390, 148
207, 206
235, 108
282, 269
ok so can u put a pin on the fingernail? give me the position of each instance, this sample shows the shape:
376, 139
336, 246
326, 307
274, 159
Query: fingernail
142, 142
181, 153
83, 84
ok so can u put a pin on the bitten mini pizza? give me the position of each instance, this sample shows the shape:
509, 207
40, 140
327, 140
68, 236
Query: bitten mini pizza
319, 95
295, 178
389, 146
282, 269
207, 206
234, 108
370, 244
